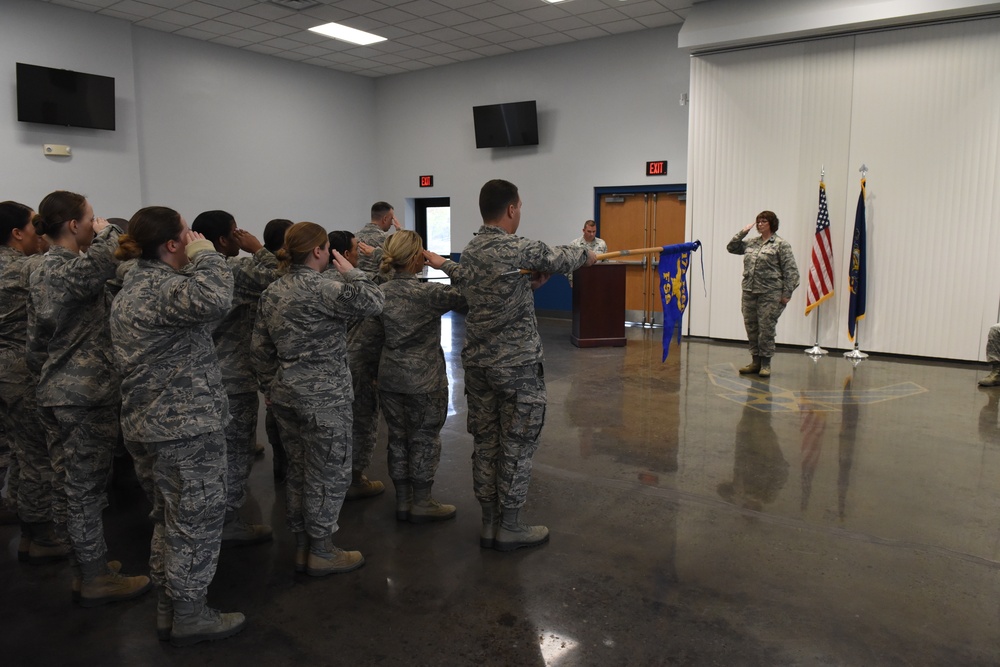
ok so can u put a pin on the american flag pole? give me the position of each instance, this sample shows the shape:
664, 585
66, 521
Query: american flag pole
816, 351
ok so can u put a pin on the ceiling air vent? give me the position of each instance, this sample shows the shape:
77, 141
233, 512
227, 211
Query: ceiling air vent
295, 4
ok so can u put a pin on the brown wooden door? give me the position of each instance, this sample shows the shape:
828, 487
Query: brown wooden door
642, 220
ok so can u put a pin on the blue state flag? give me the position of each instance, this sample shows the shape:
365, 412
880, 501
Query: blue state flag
858, 274
674, 262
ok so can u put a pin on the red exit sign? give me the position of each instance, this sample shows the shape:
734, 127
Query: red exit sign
658, 168
426, 181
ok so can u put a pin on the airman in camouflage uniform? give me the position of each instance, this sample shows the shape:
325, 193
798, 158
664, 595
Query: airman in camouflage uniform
770, 275
174, 411
364, 347
30, 484
412, 379
232, 345
992, 357
77, 391
589, 241
504, 381
299, 358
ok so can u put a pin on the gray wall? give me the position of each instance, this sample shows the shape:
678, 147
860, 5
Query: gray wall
605, 107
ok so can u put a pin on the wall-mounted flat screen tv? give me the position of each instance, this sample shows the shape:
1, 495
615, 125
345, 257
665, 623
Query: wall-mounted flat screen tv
503, 125
63, 97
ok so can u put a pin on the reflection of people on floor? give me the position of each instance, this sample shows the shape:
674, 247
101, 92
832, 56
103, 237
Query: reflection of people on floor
848, 438
989, 431
759, 469
812, 427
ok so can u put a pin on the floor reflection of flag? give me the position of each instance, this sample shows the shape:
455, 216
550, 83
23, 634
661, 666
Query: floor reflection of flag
812, 428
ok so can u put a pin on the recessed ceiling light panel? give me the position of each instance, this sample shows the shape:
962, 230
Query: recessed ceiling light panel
345, 34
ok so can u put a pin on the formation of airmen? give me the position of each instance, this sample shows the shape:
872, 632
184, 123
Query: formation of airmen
163, 337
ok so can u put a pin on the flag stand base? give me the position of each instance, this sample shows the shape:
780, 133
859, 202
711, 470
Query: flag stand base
855, 354
816, 351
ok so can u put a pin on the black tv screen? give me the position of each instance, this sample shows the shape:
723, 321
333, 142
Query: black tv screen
64, 97
503, 125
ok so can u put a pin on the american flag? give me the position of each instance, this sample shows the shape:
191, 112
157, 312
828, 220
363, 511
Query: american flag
821, 266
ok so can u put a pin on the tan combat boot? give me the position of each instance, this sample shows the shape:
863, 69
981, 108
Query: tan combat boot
101, 585
993, 379
752, 367
324, 559
765, 367
197, 622
424, 508
362, 487
301, 551
46, 545
513, 534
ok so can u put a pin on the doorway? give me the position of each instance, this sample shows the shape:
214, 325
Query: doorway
641, 217
432, 221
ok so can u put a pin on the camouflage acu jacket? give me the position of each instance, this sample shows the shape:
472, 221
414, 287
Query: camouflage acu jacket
500, 329
412, 360
299, 350
15, 271
768, 266
251, 277
161, 329
68, 342
375, 237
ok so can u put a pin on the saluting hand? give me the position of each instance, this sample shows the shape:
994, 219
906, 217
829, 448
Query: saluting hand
100, 224
365, 249
433, 260
746, 230
248, 241
340, 263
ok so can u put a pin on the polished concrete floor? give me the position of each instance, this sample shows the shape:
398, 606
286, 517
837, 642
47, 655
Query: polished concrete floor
830, 516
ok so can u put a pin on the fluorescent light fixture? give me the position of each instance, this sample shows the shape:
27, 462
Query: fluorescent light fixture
554, 1
345, 34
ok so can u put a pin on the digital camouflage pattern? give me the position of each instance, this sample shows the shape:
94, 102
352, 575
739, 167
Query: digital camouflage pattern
506, 415
768, 266
597, 246
67, 345
161, 329
414, 422
188, 478
760, 318
375, 237
31, 473
241, 440
317, 441
251, 276
769, 274
993, 344
412, 360
364, 349
299, 349
175, 409
299, 356
504, 382
501, 330
81, 448
412, 378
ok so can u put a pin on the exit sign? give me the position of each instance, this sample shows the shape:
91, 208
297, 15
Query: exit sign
426, 181
658, 168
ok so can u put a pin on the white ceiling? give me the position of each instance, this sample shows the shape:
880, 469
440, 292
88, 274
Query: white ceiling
420, 33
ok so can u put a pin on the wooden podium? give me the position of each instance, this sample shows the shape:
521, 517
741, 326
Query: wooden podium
599, 306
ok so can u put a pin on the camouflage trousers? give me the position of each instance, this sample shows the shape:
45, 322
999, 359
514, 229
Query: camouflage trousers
30, 486
241, 437
365, 411
81, 443
187, 482
506, 415
993, 345
760, 317
414, 422
318, 444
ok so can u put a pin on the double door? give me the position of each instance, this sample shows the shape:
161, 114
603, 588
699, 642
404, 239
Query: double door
642, 220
